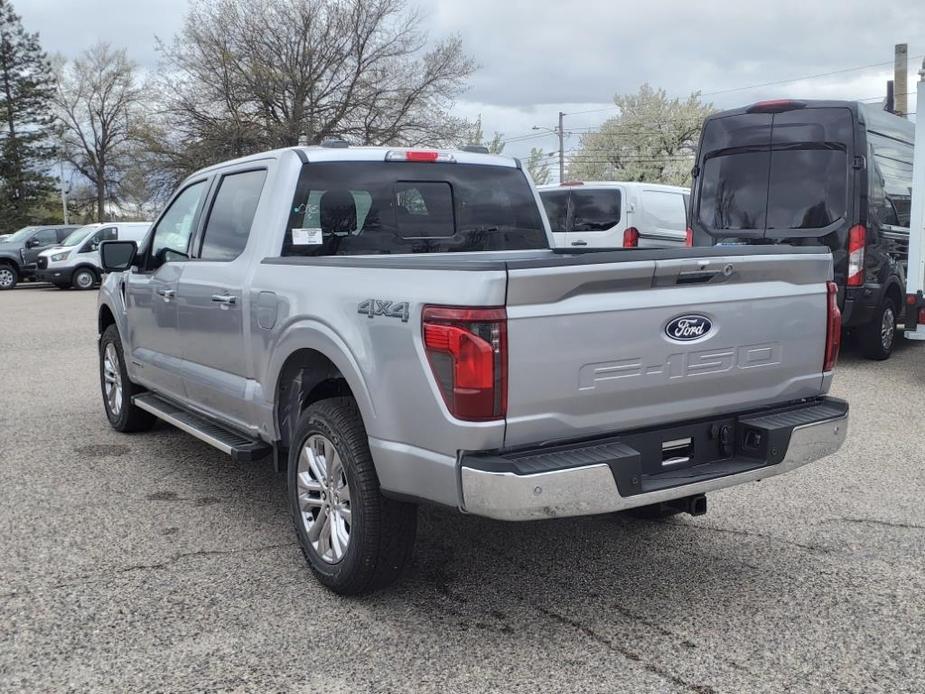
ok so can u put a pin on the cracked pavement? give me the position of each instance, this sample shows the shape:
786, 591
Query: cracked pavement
152, 562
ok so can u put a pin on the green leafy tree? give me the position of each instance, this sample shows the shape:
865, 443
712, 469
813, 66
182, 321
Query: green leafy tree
652, 139
27, 87
538, 166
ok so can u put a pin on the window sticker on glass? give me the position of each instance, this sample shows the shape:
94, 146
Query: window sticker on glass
307, 237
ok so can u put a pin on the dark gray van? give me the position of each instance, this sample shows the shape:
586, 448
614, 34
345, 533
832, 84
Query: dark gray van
809, 173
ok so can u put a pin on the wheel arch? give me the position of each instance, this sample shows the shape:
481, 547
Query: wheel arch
105, 318
308, 375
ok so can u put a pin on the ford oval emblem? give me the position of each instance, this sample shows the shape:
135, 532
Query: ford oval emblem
689, 327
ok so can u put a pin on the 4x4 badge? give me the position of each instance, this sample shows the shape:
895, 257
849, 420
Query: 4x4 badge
388, 309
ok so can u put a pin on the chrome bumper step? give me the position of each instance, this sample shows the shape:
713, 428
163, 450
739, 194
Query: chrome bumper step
239, 447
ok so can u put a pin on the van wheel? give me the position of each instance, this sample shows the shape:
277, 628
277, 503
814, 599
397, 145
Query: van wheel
84, 279
354, 539
8, 277
117, 389
878, 337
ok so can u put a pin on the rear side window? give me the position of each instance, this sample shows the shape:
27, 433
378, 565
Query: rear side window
556, 204
595, 210
232, 215
666, 210
361, 208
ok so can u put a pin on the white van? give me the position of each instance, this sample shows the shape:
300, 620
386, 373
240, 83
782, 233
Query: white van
76, 262
616, 215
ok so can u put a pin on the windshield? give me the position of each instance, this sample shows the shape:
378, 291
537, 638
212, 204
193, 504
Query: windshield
354, 208
79, 235
19, 235
786, 171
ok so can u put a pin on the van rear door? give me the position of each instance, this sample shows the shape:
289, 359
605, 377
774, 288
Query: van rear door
785, 176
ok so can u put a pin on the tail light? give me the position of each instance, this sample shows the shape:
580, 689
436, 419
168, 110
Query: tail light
467, 351
857, 242
689, 237
631, 237
833, 329
775, 106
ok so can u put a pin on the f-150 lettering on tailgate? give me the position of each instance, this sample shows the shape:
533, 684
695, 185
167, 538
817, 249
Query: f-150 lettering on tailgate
707, 361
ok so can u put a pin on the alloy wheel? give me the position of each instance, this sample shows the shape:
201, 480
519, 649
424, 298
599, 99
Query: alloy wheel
324, 498
84, 280
888, 329
6, 278
112, 377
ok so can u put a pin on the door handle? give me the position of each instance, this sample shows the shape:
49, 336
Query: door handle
579, 243
168, 294
225, 299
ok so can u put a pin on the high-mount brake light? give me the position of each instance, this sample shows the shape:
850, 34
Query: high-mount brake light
857, 243
467, 351
631, 237
419, 155
776, 106
689, 238
832, 328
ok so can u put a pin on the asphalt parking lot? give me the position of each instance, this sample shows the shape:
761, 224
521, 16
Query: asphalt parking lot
152, 562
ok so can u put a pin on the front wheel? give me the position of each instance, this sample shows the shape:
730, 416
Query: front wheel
117, 389
878, 337
8, 277
84, 278
354, 539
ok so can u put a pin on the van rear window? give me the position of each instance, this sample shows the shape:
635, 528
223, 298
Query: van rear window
786, 171
361, 208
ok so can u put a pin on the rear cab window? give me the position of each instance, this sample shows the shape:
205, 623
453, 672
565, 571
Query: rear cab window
370, 207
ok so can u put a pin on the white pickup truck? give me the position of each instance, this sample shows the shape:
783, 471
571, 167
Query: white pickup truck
392, 326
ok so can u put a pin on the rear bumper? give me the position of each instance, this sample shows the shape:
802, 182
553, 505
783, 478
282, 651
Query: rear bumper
601, 476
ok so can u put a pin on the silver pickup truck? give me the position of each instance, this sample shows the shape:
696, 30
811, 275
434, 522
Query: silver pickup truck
392, 326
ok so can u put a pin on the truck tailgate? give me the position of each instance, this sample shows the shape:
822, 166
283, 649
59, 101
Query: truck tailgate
590, 350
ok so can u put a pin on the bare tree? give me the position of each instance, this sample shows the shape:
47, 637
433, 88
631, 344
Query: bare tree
245, 75
98, 95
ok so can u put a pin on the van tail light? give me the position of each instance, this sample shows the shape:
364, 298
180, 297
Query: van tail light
857, 242
832, 329
631, 237
467, 351
689, 237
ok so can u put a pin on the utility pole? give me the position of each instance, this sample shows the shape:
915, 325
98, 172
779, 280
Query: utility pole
63, 193
900, 77
561, 133
915, 278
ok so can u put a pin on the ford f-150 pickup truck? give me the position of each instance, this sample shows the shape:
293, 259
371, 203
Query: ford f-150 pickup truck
392, 326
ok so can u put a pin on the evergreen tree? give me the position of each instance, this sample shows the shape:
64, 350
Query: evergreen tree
26, 120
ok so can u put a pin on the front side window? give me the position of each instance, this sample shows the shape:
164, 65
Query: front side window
232, 215
45, 237
362, 208
172, 234
93, 243
595, 210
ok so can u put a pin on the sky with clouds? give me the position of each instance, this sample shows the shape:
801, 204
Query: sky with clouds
539, 57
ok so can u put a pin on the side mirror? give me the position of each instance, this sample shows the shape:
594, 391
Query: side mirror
117, 256
33, 243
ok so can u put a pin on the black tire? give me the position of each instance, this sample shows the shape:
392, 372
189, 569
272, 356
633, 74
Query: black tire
381, 530
9, 276
129, 418
83, 278
875, 341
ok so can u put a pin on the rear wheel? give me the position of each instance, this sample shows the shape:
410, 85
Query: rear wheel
117, 389
84, 278
878, 337
8, 277
354, 539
